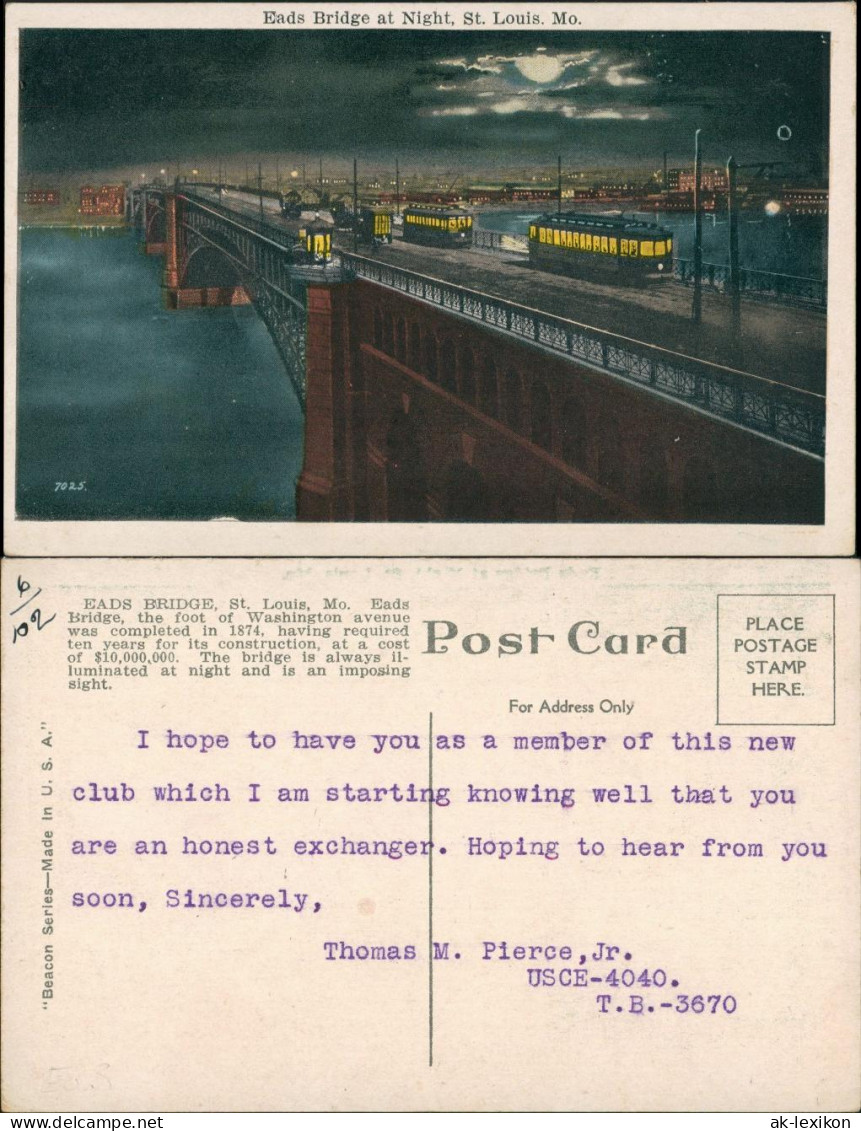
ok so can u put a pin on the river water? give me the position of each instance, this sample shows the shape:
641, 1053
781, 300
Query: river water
789, 245
174, 415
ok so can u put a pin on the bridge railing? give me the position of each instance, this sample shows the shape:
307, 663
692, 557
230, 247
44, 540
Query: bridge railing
263, 227
770, 408
793, 289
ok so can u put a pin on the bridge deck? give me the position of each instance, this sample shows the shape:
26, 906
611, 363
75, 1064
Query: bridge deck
783, 344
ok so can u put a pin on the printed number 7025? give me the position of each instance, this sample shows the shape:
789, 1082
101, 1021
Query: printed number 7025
81, 486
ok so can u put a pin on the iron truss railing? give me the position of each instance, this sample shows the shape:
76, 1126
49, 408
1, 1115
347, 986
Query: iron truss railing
265, 271
770, 408
792, 289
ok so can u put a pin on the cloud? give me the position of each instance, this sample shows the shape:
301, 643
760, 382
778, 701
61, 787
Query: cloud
537, 81
616, 76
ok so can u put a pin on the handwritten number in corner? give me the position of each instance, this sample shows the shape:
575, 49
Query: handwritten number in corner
35, 616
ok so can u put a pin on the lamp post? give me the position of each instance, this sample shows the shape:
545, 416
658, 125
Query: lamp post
697, 305
355, 206
732, 217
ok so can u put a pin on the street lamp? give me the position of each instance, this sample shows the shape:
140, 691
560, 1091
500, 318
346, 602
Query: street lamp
697, 304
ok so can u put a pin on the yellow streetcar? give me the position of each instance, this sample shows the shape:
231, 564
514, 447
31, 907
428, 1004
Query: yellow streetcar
606, 247
439, 227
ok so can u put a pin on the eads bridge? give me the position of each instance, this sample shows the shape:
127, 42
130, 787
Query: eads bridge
425, 400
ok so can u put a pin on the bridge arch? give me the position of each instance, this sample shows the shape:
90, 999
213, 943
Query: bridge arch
154, 223
208, 266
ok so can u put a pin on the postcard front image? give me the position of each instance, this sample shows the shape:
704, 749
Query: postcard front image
454, 278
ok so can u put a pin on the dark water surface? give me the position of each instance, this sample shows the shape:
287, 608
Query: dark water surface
185, 414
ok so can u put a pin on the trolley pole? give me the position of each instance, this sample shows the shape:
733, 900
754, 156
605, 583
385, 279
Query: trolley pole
697, 307
220, 184
559, 186
397, 188
664, 181
246, 175
734, 278
260, 186
278, 174
355, 206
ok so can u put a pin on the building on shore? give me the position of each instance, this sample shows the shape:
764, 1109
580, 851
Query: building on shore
42, 196
109, 200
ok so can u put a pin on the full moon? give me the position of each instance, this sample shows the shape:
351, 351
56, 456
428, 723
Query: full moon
539, 68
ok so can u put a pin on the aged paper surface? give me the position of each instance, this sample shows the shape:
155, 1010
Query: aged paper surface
503, 391
486, 835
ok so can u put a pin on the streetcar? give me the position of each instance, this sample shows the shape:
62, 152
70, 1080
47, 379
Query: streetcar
610, 247
438, 227
374, 226
315, 242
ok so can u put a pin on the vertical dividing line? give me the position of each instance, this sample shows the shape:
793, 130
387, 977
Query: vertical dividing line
430, 892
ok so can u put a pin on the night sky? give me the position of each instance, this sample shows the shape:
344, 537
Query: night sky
116, 100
